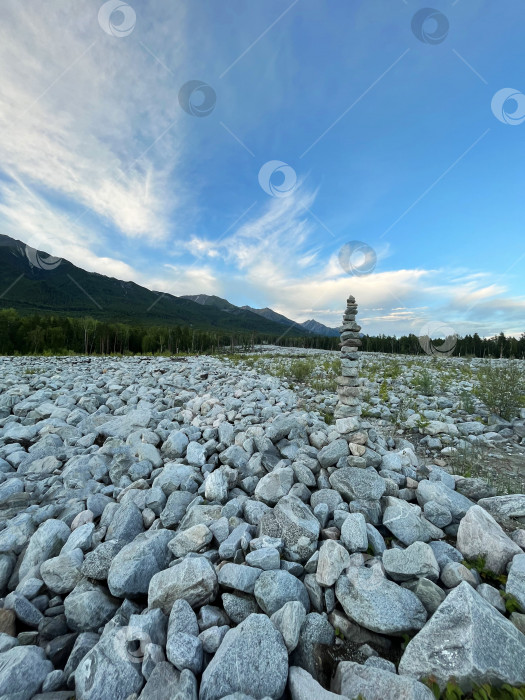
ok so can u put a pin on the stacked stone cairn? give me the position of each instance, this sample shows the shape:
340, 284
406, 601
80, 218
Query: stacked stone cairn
348, 409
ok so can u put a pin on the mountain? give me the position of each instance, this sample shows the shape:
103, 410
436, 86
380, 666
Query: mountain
314, 327
30, 282
320, 329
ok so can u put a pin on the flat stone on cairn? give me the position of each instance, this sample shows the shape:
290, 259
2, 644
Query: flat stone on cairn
348, 409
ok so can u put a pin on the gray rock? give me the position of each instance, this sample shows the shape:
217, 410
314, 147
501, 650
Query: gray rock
23, 669
83, 643
406, 523
88, 607
275, 588
333, 560
175, 445
45, 543
53, 681
96, 563
428, 592
194, 579
492, 596
354, 533
153, 655
252, 659
7, 642
416, 561
266, 558
272, 487
316, 635
194, 539
233, 542
437, 491
239, 607
454, 644
445, 553
61, 574
303, 686
185, 651
331, 497
196, 454
175, 507
296, 525
137, 562
454, 573
353, 680
437, 514
479, 535
212, 637
383, 664
375, 540
23, 609
332, 453
511, 506
163, 683
378, 604
354, 483
238, 578
126, 524
109, 671
516, 580
81, 538
216, 486
289, 620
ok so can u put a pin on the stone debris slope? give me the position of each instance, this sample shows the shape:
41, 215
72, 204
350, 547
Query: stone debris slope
181, 529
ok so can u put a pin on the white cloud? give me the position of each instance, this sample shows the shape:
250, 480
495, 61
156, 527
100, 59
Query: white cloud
76, 118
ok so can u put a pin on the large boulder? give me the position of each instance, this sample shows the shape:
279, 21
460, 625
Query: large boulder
354, 483
109, 671
134, 566
377, 604
273, 589
23, 669
194, 579
45, 543
88, 607
294, 522
516, 580
479, 535
252, 659
469, 640
405, 521
439, 492
353, 680
416, 561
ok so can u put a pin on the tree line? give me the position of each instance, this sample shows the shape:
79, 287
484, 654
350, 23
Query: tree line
61, 335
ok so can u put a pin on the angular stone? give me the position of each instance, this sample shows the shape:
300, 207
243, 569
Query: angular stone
45, 543
304, 687
353, 680
273, 589
437, 491
109, 671
23, 669
516, 580
194, 579
296, 525
238, 578
354, 533
404, 520
316, 637
137, 562
194, 539
88, 607
378, 604
479, 535
352, 483
416, 561
61, 574
252, 659
333, 452
288, 620
272, 487
333, 559
454, 644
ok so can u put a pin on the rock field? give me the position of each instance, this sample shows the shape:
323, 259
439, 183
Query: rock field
194, 528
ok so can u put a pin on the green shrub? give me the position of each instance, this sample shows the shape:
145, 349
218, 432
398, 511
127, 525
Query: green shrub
502, 388
424, 383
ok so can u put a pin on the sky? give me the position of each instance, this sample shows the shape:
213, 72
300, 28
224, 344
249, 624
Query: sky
281, 153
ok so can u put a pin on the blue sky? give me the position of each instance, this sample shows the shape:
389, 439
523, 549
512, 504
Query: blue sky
390, 140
